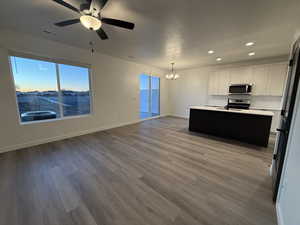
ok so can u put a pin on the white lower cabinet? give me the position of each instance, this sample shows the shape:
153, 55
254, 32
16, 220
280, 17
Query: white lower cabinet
267, 80
275, 120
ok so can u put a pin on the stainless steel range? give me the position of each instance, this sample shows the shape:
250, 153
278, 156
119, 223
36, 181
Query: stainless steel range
239, 99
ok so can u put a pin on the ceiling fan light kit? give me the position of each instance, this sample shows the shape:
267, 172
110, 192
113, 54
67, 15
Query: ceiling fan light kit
90, 22
90, 17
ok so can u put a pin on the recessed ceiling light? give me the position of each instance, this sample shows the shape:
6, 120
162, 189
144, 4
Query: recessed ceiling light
249, 44
219, 59
211, 52
251, 53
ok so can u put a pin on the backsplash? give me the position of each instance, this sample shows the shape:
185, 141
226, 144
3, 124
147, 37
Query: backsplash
263, 102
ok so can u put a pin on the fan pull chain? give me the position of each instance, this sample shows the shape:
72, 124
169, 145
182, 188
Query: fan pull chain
92, 47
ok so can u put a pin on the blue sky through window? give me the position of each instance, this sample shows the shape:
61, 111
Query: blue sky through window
37, 75
33, 75
144, 82
149, 99
74, 78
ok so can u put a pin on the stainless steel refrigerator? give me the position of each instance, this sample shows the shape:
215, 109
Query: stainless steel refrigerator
288, 103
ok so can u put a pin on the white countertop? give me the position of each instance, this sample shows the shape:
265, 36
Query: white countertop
244, 111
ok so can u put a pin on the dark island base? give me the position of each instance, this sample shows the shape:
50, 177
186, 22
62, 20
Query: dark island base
249, 128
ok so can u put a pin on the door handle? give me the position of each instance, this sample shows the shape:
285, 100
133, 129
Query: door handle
281, 130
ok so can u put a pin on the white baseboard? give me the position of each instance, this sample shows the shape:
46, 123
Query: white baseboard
70, 135
279, 215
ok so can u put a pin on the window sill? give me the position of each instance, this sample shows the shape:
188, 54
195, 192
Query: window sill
55, 120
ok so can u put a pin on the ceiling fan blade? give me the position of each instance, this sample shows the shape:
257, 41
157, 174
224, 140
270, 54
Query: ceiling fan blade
67, 22
67, 5
102, 34
118, 23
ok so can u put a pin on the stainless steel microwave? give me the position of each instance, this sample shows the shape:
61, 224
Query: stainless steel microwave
240, 89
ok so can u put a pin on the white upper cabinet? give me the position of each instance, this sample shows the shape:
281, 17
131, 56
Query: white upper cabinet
213, 83
260, 80
240, 75
247, 77
277, 74
224, 82
219, 82
234, 76
267, 80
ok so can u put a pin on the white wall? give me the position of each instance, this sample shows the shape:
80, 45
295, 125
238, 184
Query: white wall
115, 85
190, 89
289, 197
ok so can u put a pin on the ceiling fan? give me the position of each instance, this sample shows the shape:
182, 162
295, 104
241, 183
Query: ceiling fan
91, 17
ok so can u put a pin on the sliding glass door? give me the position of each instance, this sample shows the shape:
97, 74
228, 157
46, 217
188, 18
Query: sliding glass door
144, 96
155, 95
149, 96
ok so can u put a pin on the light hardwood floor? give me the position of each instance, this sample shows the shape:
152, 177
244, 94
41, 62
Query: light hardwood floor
151, 173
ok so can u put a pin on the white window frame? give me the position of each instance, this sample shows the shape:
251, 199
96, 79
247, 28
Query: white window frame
57, 62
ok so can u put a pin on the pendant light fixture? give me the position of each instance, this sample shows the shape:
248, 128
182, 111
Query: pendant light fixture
172, 75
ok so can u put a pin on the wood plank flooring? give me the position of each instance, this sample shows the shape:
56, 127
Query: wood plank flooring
150, 173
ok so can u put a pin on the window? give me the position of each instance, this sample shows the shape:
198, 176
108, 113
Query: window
47, 90
149, 96
74, 85
155, 95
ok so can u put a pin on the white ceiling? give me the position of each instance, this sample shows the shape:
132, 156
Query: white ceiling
169, 30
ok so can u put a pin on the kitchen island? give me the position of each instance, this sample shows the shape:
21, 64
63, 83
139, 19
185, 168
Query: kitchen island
250, 126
